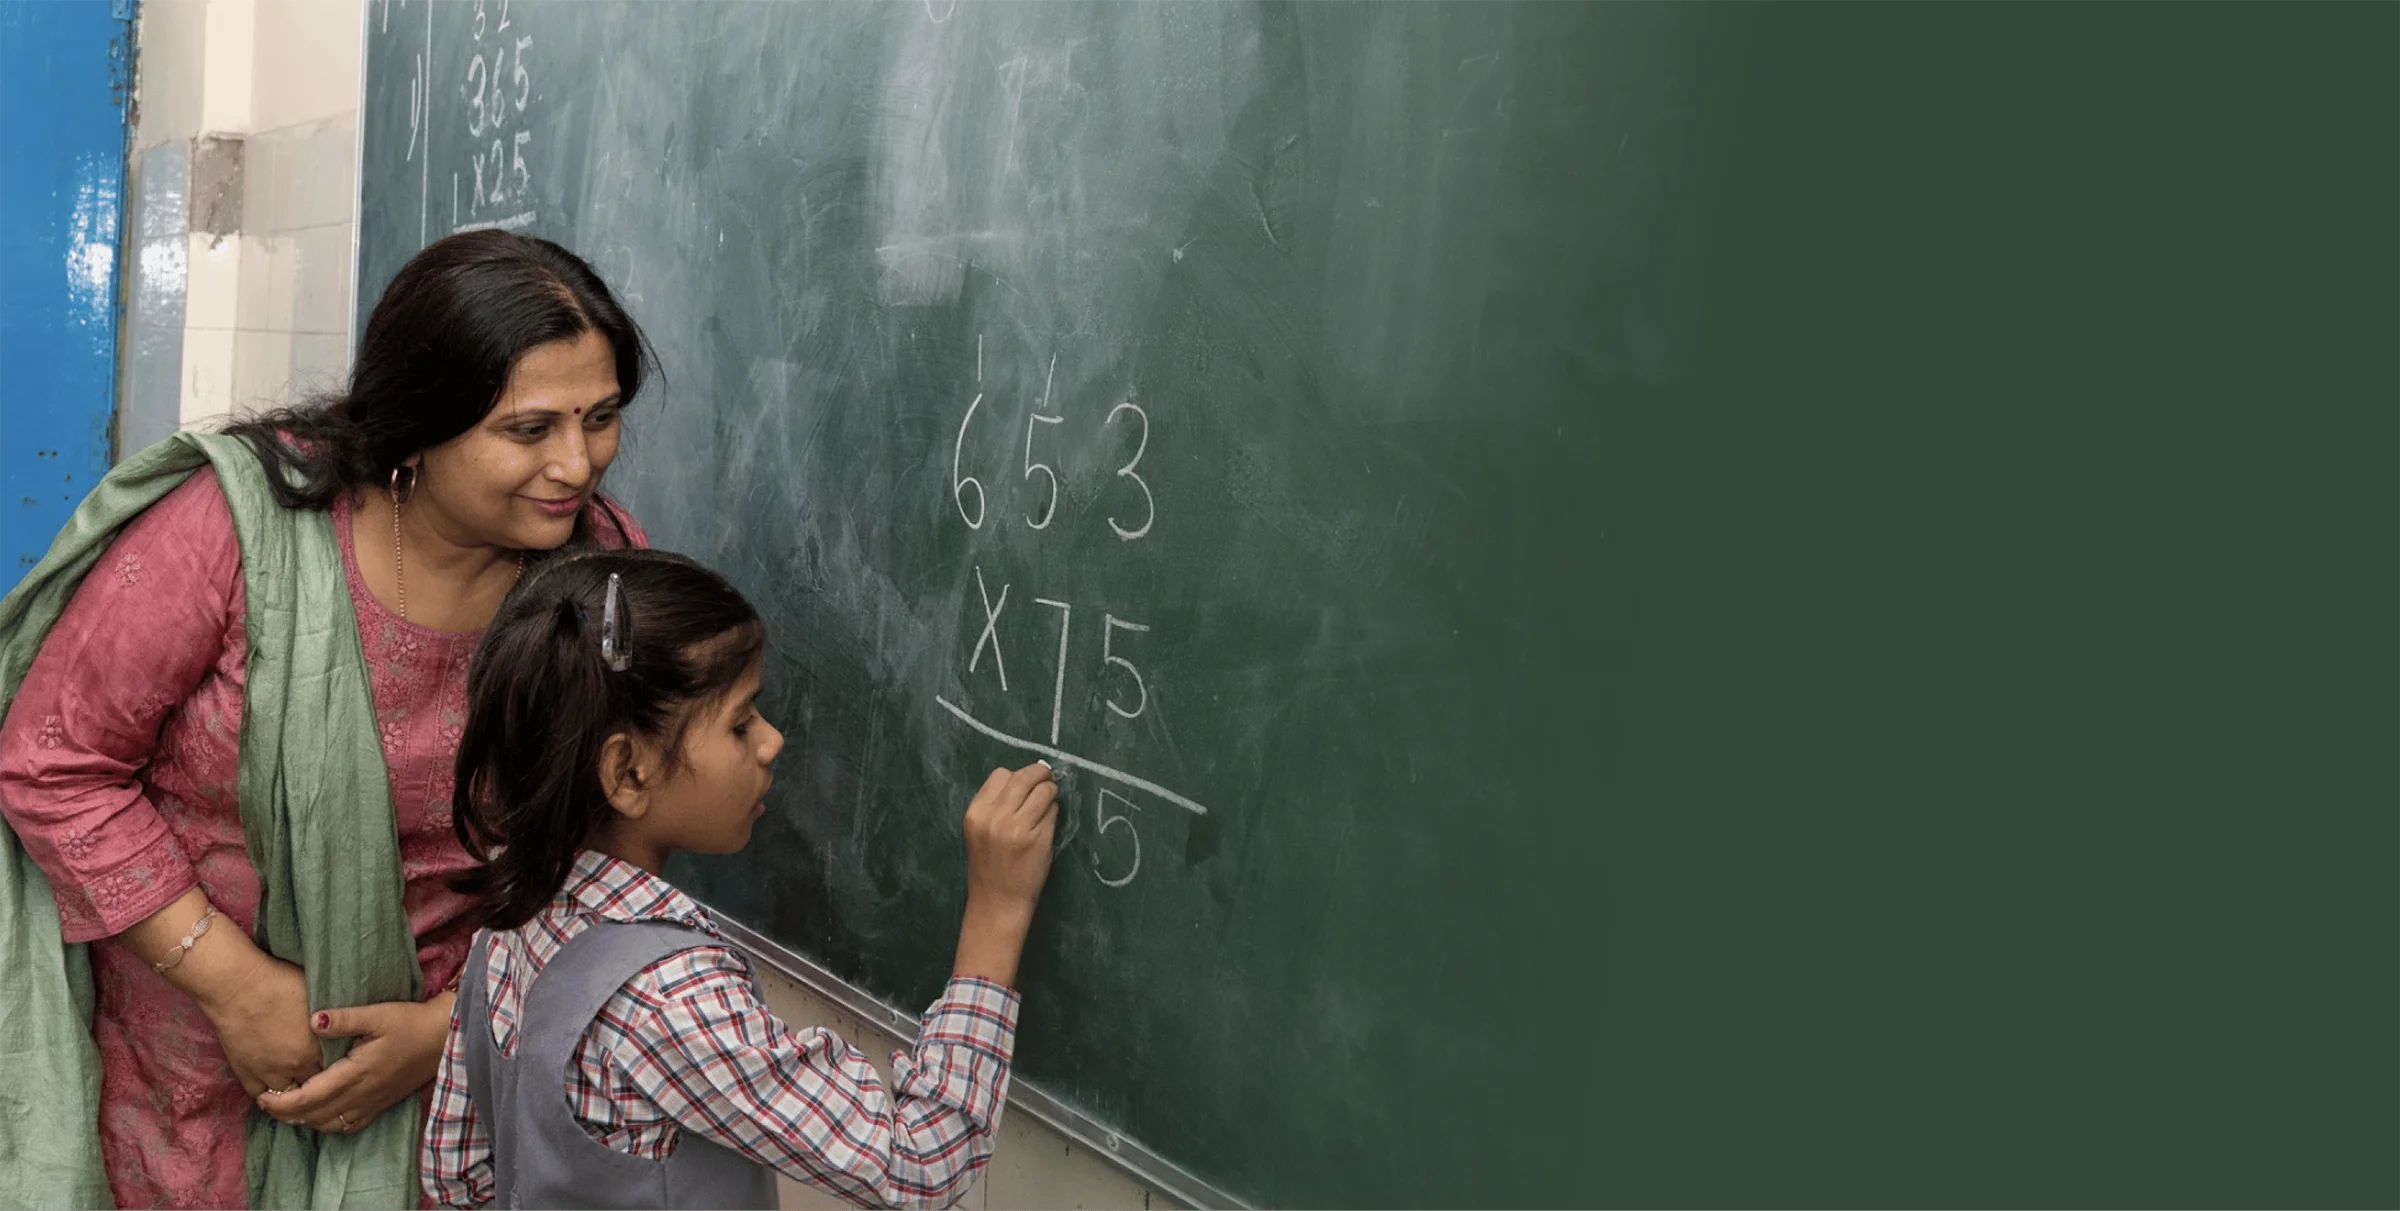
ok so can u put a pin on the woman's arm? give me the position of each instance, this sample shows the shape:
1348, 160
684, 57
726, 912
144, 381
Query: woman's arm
134, 643
257, 1003
138, 637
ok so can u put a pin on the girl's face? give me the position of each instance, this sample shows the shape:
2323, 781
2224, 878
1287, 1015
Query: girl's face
719, 787
519, 478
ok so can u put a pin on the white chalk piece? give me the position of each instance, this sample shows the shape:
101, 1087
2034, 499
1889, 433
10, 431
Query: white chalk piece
1064, 830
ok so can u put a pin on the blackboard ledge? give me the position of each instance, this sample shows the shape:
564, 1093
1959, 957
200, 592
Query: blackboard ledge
1136, 1161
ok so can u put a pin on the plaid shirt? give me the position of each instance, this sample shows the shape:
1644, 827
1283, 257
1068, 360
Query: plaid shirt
686, 1045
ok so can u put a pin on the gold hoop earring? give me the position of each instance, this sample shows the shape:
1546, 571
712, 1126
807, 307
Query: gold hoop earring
398, 497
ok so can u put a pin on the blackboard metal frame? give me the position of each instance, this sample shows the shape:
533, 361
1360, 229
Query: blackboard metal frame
1127, 1155
358, 191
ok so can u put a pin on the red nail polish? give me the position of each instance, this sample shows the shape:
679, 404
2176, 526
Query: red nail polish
324, 1020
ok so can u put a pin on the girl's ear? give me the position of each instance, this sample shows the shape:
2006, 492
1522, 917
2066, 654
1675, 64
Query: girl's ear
622, 777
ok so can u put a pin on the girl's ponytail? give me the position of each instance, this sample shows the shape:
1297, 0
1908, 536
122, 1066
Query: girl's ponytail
543, 699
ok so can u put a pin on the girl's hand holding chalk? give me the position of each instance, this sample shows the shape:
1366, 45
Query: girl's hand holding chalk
1008, 828
1063, 835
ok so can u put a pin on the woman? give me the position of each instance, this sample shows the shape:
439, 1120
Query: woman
134, 759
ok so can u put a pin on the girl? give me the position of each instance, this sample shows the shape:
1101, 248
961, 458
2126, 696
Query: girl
612, 720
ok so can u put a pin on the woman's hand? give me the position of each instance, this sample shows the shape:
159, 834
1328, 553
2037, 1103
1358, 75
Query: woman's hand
262, 1023
398, 1047
257, 1002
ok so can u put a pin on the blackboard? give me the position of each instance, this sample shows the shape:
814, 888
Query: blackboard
1525, 519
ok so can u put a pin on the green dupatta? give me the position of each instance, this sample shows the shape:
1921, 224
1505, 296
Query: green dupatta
316, 807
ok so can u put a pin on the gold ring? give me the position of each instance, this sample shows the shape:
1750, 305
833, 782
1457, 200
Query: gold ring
345, 1121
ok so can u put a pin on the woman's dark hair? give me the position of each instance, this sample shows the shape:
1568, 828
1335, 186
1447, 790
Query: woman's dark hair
436, 356
542, 699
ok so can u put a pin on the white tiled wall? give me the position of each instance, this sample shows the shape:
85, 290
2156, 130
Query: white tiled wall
265, 313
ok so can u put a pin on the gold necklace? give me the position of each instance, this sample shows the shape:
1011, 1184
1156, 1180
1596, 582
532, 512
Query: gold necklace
400, 573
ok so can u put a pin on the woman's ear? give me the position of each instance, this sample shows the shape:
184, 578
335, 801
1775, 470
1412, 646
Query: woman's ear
623, 780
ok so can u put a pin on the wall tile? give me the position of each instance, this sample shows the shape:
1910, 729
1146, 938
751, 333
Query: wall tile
321, 265
296, 281
213, 281
161, 180
171, 43
150, 349
300, 176
207, 375
262, 370
150, 386
320, 363
263, 300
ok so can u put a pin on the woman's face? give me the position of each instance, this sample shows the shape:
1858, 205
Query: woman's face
518, 479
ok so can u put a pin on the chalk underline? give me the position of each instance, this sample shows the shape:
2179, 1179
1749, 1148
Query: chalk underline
514, 222
1063, 757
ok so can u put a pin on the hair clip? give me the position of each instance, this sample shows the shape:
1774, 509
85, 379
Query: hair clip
614, 651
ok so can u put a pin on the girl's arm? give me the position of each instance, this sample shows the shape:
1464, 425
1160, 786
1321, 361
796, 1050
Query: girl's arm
699, 1046
456, 1155
709, 1057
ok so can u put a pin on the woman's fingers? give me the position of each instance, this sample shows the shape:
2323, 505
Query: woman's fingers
315, 1099
397, 1050
256, 1083
356, 1021
344, 1122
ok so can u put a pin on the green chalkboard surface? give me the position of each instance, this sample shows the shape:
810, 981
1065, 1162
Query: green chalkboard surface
1226, 396
1646, 603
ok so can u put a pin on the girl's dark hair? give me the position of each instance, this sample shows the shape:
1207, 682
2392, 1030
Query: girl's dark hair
436, 355
542, 700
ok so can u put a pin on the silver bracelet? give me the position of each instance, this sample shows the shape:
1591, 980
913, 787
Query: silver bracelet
185, 947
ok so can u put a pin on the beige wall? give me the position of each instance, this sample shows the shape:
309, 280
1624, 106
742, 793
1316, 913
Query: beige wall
246, 169
260, 97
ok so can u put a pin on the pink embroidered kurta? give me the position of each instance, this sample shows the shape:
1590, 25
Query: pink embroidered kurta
119, 770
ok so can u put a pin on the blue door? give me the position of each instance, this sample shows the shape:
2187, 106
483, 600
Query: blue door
64, 70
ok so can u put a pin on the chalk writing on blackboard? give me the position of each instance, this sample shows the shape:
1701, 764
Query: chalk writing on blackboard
1059, 756
1125, 692
496, 89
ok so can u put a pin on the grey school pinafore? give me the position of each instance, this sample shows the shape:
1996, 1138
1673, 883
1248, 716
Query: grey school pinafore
541, 1157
